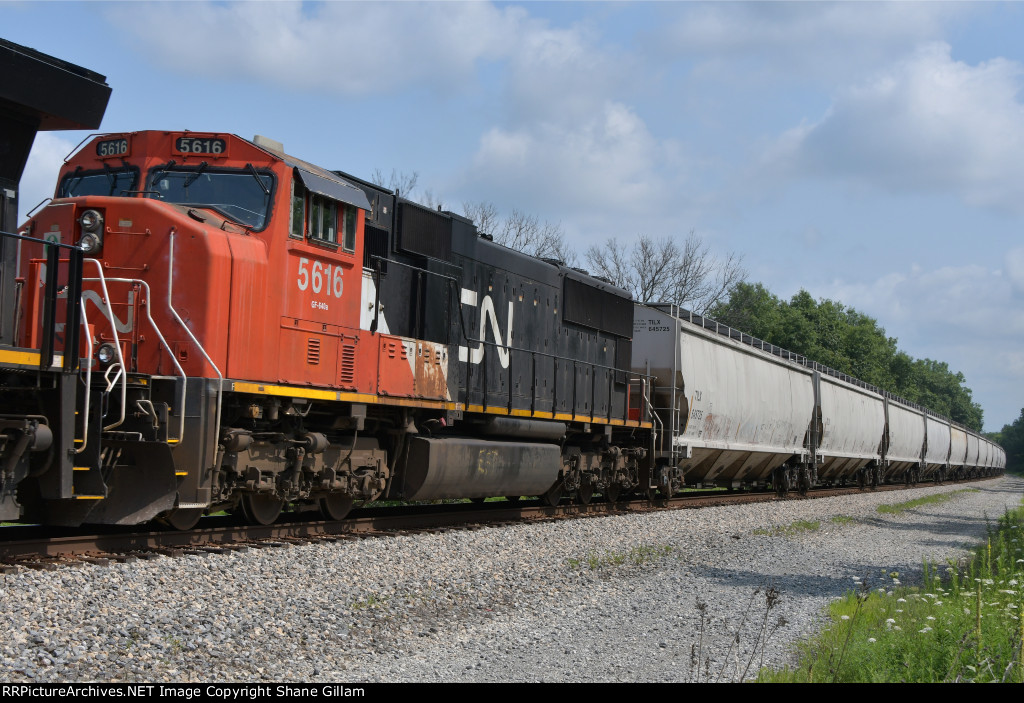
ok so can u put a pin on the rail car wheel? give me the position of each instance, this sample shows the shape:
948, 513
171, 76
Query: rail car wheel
611, 492
260, 508
513, 499
182, 519
803, 482
553, 496
335, 506
585, 492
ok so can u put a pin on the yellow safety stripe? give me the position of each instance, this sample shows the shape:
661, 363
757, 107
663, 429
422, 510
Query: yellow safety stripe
320, 394
26, 358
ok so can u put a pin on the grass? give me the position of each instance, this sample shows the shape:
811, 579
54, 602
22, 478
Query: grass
896, 508
963, 624
842, 519
635, 556
791, 530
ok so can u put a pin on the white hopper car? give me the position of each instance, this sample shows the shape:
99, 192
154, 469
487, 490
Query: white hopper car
736, 411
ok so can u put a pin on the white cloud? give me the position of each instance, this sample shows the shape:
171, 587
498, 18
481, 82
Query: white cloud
927, 123
39, 180
820, 40
971, 317
609, 162
346, 48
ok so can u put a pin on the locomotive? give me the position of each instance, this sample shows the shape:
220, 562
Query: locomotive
204, 322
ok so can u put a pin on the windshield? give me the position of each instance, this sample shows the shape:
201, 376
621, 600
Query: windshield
112, 182
242, 196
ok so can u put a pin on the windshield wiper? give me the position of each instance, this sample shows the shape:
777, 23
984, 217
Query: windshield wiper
252, 170
72, 182
199, 171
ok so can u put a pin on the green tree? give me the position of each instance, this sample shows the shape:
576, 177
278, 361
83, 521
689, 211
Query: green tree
1011, 437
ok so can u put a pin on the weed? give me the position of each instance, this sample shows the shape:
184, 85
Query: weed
371, 601
791, 530
842, 519
635, 556
896, 508
963, 623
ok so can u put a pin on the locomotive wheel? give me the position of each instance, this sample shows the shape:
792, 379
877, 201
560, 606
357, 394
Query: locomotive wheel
261, 509
335, 506
553, 496
585, 493
182, 519
611, 492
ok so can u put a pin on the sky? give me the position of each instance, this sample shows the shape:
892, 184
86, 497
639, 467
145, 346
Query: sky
871, 153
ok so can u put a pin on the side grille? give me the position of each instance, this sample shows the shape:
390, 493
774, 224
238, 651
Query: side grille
348, 365
313, 351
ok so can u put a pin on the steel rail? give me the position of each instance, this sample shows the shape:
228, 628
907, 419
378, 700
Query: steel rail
18, 544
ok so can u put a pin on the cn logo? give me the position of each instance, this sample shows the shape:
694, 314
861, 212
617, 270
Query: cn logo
469, 297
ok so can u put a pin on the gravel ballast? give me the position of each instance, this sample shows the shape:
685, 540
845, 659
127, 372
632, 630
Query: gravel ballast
597, 599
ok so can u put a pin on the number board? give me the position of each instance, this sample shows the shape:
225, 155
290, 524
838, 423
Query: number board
112, 147
201, 145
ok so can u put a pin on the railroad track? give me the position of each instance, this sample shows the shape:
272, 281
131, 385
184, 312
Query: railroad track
48, 548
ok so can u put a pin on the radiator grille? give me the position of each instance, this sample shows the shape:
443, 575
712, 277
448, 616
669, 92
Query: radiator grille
313, 351
348, 364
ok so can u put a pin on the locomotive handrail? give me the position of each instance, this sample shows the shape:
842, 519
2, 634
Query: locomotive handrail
534, 353
117, 342
160, 336
170, 305
69, 361
88, 380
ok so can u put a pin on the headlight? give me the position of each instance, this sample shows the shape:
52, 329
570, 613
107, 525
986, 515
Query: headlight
91, 240
89, 243
106, 353
91, 220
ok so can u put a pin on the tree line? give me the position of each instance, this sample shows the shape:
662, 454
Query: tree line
688, 274
1011, 437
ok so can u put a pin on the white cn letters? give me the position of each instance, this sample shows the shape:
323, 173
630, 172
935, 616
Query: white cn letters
469, 297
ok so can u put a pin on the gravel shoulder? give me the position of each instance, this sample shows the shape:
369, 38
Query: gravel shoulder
598, 599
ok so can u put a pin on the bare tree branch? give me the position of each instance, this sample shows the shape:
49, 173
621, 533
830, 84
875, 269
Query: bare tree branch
521, 231
664, 271
399, 181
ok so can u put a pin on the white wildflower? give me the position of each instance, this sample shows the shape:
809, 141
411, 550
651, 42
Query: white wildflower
845, 617
929, 618
890, 621
897, 627
926, 629
872, 639
901, 600
938, 602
